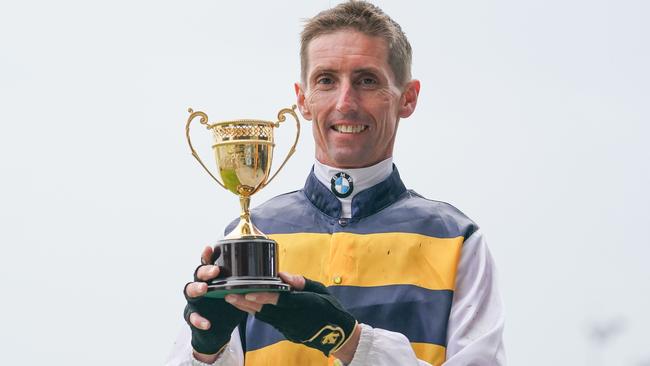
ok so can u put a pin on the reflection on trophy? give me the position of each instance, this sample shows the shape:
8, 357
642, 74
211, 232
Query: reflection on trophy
243, 150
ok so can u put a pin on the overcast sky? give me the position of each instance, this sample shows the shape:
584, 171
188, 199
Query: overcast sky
532, 119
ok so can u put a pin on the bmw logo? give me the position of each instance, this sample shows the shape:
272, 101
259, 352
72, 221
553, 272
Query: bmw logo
342, 185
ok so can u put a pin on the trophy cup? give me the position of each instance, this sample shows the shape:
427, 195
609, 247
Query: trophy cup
243, 150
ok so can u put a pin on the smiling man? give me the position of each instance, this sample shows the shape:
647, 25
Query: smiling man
380, 275
353, 98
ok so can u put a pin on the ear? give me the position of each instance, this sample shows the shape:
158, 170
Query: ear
300, 100
409, 98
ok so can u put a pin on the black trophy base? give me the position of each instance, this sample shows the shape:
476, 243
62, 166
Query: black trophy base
219, 289
247, 265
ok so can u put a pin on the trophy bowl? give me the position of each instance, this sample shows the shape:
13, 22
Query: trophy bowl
243, 151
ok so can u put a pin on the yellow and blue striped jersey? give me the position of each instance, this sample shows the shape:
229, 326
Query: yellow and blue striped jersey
392, 264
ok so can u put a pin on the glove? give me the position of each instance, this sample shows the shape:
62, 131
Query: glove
312, 317
223, 319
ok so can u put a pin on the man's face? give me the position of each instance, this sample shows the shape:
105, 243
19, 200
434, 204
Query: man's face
349, 94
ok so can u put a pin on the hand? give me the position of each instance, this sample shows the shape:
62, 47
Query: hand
211, 320
311, 316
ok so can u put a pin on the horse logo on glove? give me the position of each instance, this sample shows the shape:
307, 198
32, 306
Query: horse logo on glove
331, 338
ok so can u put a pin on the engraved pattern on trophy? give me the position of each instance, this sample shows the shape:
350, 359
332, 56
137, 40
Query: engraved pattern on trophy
243, 152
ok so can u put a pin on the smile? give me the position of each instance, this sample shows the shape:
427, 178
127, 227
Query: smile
349, 128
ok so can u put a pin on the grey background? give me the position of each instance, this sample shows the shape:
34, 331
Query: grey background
532, 119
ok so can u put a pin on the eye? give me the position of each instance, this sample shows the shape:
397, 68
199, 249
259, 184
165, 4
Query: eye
367, 81
324, 80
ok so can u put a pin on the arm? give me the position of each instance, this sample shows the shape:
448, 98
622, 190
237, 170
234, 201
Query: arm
366, 345
182, 353
475, 327
384, 348
212, 336
475, 331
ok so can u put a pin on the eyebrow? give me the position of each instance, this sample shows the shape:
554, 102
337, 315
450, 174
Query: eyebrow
367, 70
362, 70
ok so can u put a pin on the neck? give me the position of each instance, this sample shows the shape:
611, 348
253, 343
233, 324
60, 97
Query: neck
361, 178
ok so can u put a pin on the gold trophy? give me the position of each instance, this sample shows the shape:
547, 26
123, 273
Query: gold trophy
243, 150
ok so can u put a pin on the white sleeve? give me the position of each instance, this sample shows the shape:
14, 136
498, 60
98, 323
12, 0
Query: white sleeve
182, 355
475, 330
380, 347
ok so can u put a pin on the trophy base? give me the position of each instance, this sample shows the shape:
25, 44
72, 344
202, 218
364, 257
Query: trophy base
247, 265
220, 288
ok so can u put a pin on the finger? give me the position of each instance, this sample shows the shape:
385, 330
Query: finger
196, 289
199, 321
241, 303
207, 272
297, 282
263, 298
245, 309
206, 255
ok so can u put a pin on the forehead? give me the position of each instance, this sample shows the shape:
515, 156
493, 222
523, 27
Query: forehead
346, 50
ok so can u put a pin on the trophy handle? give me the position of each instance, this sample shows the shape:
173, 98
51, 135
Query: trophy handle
281, 118
203, 121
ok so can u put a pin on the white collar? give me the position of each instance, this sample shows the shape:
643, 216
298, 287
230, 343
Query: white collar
361, 178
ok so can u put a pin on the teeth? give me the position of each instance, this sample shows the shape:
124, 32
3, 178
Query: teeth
349, 128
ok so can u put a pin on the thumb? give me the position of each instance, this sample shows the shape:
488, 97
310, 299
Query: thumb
295, 281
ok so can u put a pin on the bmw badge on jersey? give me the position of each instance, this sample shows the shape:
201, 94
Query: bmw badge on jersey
342, 185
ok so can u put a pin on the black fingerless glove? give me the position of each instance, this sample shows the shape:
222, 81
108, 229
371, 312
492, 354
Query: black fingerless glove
223, 319
312, 317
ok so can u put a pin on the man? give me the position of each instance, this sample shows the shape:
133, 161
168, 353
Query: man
381, 276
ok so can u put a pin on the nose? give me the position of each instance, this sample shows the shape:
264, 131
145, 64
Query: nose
347, 98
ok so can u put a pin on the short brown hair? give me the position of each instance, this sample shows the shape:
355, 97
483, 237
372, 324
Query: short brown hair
367, 19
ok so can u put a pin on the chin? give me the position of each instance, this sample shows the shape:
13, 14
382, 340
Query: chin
347, 157
350, 162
